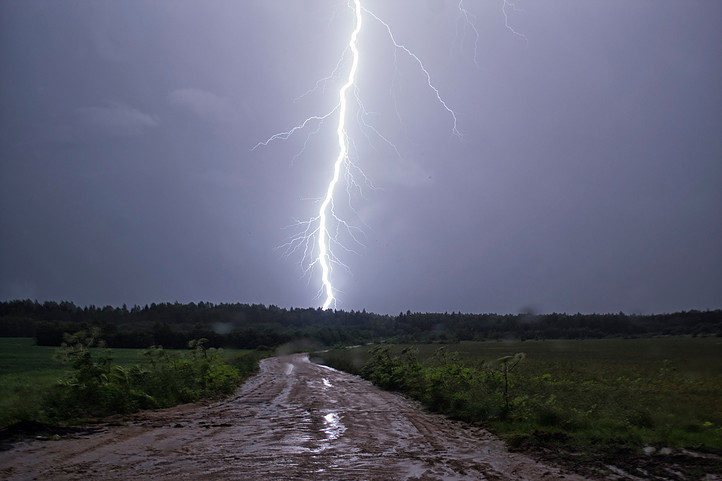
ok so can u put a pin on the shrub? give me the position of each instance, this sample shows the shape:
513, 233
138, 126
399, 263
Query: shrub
97, 388
445, 384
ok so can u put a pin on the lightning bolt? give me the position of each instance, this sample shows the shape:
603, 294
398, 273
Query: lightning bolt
469, 21
326, 205
325, 229
507, 4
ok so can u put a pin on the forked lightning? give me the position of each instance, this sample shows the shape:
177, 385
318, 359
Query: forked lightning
322, 230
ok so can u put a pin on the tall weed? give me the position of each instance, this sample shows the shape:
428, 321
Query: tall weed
586, 394
95, 387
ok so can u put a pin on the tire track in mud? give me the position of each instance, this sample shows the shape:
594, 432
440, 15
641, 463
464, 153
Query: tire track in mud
295, 420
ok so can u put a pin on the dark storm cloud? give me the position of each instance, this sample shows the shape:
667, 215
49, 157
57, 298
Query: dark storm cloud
115, 118
588, 178
205, 105
109, 119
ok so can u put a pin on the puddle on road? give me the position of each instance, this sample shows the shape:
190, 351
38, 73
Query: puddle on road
328, 367
333, 427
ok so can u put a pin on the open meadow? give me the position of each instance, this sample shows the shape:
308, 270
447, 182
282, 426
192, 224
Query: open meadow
28, 372
598, 399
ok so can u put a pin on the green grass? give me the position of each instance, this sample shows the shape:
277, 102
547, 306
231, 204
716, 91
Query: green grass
592, 395
27, 372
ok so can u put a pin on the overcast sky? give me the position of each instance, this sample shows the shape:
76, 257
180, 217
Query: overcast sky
587, 178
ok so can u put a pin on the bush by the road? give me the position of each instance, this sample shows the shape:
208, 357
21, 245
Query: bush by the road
96, 387
593, 398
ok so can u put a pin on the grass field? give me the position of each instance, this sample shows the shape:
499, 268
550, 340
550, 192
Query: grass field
27, 371
594, 395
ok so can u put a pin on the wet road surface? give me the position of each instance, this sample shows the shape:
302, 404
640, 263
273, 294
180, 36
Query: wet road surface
295, 420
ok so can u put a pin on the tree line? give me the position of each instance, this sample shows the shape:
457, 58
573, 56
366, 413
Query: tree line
173, 325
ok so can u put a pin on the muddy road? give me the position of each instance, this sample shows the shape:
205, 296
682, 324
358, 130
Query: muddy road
295, 420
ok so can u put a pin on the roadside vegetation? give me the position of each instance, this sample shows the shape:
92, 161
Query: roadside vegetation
595, 388
591, 402
83, 380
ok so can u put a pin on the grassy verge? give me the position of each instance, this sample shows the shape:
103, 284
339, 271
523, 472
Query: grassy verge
35, 386
26, 372
595, 400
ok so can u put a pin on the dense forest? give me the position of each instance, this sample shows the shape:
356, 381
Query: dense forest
173, 325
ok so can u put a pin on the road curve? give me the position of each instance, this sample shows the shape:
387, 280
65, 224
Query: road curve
295, 420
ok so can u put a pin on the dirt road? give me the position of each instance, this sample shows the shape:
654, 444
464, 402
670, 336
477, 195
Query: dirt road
295, 420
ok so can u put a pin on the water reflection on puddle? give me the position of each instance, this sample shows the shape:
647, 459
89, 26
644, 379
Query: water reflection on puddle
333, 427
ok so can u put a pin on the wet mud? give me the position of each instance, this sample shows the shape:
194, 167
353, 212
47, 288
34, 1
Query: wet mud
295, 420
